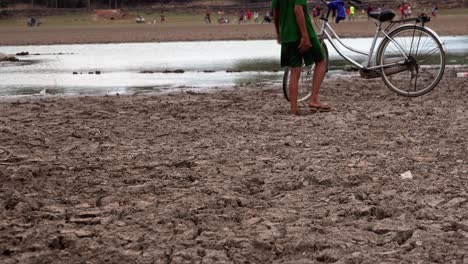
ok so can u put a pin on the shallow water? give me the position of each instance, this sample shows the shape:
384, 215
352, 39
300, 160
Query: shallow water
71, 69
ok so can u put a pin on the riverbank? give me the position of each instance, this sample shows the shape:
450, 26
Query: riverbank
232, 177
182, 30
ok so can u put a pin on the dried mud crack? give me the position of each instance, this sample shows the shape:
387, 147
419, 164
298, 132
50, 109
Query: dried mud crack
232, 177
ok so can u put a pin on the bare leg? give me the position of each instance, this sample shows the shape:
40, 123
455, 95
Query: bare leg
319, 74
294, 88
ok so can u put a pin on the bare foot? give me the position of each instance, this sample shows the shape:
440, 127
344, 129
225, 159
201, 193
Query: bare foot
295, 111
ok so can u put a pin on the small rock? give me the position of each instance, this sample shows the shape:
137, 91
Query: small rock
104, 201
89, 214
86, 221
142, 204
455, 202
83, 233
253, 221
23, 53
386, 226
435, 202
463, 225
120, 223
11, 203
407, 175
111, 206
82, 205
53, 209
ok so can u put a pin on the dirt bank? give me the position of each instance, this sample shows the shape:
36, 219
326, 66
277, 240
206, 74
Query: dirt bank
78, 34
232, 177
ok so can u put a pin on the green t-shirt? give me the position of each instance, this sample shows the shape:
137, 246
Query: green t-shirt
289, 30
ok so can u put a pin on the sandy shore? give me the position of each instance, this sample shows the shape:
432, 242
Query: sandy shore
232, 177
444, 25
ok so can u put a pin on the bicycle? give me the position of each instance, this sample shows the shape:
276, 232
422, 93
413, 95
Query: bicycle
410, 58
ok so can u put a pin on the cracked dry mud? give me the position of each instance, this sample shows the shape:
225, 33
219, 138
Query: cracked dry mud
232, 177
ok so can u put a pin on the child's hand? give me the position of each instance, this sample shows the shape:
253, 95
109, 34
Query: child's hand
304, 45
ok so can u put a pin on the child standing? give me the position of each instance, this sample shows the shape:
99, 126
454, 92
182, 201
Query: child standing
299, 46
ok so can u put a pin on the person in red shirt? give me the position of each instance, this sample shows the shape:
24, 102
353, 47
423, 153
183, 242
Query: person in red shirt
249, 15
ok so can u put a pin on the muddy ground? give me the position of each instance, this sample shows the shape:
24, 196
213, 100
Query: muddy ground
232, 177
105, 33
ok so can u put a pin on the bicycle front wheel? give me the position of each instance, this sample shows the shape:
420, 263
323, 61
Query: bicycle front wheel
422, 68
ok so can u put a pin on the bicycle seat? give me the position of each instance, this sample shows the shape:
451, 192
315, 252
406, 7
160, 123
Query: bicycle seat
383, 16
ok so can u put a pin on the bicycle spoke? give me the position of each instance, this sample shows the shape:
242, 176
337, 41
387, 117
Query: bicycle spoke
433, 51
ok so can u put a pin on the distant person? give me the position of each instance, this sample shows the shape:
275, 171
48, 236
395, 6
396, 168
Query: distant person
348, 13
249, 16
370, 8
255, 17
405, 11
33, 22
299, 46
267, 18
139, 19
352, 11
435, 10
315, 14
319, 10
410, 12
208, 18
241, 17
163, 17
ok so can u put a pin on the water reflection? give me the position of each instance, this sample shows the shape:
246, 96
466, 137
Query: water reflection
205, 64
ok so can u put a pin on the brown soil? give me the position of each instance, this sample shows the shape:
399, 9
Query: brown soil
443, 25
232, 177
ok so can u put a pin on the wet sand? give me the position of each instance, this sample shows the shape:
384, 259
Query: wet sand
79, 34
232, 177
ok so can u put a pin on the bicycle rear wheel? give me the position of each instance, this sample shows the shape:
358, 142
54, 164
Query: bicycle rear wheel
424, 66
305, 83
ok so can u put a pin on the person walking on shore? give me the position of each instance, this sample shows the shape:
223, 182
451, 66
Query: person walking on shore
299, 46
162, 17
352, 11
255, 17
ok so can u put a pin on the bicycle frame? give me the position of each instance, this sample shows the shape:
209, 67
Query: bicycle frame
328, 33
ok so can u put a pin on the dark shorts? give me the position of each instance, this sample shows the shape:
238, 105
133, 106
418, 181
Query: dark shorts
290, 55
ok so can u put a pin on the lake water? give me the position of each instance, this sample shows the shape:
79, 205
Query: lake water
147, 67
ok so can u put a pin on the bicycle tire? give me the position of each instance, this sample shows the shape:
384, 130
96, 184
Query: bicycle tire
403, 79
305, 89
